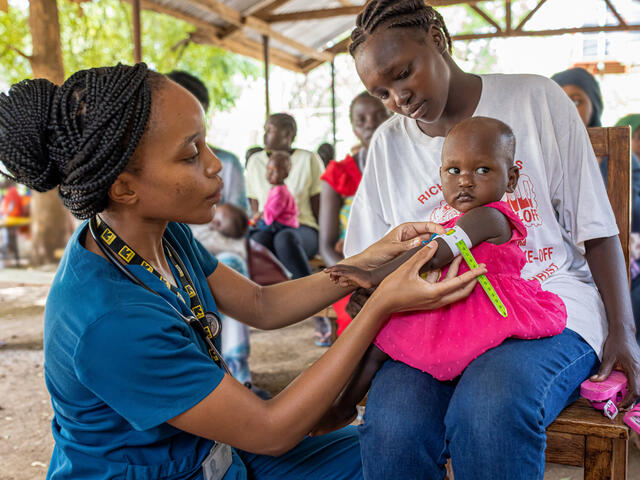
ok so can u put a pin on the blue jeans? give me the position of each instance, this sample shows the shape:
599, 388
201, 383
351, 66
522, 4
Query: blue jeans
335, 456
490, 421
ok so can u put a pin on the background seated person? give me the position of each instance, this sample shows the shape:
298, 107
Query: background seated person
293, 247
583, 89
340, 182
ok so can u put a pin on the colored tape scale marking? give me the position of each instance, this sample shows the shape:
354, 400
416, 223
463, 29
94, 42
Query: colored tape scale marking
484, 281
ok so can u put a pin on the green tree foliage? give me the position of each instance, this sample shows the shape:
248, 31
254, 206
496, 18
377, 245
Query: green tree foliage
99, 33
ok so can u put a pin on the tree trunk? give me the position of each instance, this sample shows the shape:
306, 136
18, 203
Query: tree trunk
50, 222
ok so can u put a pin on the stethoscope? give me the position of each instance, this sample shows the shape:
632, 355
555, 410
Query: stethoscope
213, 320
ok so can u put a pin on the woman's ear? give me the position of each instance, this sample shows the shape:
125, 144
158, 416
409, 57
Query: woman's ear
514, 175
122, 191
439, 40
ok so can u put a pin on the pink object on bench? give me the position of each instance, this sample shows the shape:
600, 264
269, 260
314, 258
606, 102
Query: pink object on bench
599, 393
605, 395
632, 418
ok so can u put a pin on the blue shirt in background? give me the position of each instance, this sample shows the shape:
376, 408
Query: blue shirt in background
119, 363
232, 174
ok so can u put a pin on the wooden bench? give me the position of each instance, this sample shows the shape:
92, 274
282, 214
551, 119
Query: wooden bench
581, 436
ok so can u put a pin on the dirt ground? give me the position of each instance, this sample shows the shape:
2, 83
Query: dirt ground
25, 410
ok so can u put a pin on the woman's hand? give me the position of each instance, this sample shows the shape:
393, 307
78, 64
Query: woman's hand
621, 352
405, 289
402, 238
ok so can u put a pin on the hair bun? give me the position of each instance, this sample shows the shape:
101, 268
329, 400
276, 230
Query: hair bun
24, 134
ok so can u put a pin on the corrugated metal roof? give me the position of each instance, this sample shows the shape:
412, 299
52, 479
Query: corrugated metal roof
239, 26
293, 43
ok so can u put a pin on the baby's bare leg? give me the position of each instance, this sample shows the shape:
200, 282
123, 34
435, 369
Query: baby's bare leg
344, 409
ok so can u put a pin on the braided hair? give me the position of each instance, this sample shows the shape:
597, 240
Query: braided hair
79, 136
395, 14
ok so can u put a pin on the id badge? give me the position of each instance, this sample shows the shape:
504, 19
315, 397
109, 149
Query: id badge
217, 463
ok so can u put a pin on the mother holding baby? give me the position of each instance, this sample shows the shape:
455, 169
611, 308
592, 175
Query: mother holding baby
491, 420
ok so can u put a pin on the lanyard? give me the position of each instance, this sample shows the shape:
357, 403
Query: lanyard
205, 323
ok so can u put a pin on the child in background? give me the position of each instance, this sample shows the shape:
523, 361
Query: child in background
477, 170
280, 210
326, 153
229, 228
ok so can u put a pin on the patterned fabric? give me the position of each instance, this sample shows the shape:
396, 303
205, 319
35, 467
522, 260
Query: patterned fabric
344, 216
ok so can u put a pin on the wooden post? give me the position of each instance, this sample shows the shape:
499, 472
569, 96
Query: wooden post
137, 37
265, 48
50, 222
333, 102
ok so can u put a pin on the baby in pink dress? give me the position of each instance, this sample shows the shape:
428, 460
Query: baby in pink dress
477, 170
280, 209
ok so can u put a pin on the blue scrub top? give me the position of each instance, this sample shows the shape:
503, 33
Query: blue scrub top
119, 363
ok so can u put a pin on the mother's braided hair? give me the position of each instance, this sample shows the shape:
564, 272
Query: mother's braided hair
79, 136
396, 14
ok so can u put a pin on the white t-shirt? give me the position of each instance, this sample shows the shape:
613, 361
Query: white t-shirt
303, 181
560, 197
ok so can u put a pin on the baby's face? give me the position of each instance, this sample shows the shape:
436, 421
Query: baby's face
278, 168
223, 222
475, 172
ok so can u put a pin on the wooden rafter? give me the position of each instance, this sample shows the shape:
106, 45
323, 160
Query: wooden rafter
486, 16
546, 33
448, 3
259, 16
529, 15
258, 25
259, 9
615, 12
266, 7
210, 34
340, 47
313, 14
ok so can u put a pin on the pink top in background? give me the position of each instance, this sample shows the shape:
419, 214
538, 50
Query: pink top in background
443, 342
280, 207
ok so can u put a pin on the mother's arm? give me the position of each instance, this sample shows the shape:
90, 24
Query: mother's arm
607, 266
330, 203
289, 302
232, 414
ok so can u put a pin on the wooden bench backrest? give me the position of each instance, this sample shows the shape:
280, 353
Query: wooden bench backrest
615, 142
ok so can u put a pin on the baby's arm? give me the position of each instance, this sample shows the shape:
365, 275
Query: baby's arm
482, 224
344, 410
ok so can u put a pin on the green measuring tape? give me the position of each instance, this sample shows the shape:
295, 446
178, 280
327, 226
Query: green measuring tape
484, 281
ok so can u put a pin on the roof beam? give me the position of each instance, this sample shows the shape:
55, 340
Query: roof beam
313, 14
529, 15
256, 24
259, 9
486, 16
208, 33
340, 47
447, 3
615, 12
265, 7
547, 33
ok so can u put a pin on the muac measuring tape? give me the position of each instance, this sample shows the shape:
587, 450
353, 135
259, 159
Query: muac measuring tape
457, 237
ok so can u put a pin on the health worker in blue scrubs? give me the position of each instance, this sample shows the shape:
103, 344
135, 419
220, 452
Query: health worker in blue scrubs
138, 388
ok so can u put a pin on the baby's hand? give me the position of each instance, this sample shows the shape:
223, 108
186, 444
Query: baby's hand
350, 276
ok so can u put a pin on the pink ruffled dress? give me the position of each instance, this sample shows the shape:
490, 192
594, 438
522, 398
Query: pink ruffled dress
443, 342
